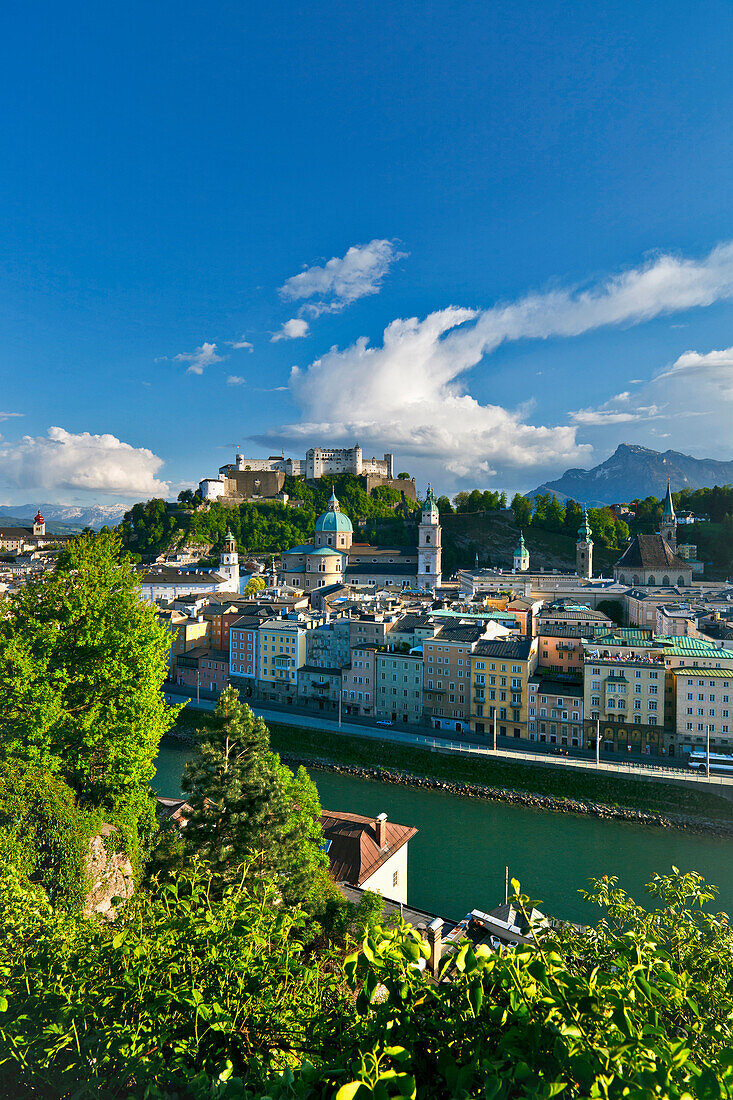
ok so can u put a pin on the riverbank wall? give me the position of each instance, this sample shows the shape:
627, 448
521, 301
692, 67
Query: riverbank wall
519, 798
555, 803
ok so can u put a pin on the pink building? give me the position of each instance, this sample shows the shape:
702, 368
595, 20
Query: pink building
207, 669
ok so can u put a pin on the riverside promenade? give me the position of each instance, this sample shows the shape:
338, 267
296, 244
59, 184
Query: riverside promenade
721, 784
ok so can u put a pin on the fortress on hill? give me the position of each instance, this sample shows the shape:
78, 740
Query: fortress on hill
252, 478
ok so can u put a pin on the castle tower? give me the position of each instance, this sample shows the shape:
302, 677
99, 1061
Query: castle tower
584, 549
39, 524
429, 543
668, 523
521, 556
229, 562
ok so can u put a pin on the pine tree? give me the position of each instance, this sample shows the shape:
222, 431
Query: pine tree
246, 806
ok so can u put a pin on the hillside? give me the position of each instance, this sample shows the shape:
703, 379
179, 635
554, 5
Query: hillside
494, 536
637, 472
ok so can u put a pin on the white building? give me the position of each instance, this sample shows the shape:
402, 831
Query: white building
322, 462
163, 583
429, 548
368, 852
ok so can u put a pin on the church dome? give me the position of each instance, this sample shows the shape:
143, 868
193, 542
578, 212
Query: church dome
334, 519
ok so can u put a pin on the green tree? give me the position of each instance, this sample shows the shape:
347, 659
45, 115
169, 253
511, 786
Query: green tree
82, 662
403, 476
254, 585
522, 508
444, 506
246, 806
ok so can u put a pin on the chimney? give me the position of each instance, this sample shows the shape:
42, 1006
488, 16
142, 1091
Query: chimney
435, 943
381, 827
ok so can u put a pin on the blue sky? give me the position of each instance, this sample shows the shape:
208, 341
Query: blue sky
543, 187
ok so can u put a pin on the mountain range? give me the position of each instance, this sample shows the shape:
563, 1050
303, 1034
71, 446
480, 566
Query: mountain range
62, 518
634, 471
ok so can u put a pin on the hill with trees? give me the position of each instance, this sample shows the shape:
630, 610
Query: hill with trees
269, 527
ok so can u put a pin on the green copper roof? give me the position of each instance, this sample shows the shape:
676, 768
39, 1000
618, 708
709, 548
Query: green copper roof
584, 531
521, 548
431, 504
334, 519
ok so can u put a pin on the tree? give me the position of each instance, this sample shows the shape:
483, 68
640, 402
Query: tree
82, 662
612, 608
254, 585
246, 806
522, 508
403, 476
444, 506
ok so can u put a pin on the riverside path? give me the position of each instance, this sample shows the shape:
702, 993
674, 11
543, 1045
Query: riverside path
723, 784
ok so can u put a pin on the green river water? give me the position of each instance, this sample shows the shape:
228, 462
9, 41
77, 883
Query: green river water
456, 862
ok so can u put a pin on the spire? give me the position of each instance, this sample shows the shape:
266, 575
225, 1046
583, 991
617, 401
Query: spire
521, 549
584, 532
431, 504
668, 510
333, 504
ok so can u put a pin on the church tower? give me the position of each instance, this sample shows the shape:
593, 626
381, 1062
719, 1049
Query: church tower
229, 562
39, 524
521, 556
668, 523
429, 544
584, 549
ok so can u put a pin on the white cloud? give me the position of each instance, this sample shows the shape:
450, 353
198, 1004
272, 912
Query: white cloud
409, 394
711, 369
293, 329
240, 345
202, 357
342, 280
96, 463
9, 416
236, 380
617, 410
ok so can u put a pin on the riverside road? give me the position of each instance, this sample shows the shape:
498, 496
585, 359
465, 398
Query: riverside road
639, 768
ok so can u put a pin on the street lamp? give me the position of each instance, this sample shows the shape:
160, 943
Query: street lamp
598, 740
198, 687
707, 751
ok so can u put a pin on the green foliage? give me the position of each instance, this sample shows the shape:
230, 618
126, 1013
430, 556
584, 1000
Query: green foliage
253, 586
198, 995
42, 834
246, 806
82, 663
550, 515
522, 508
476, 501
261, 526
188, 980
445, 507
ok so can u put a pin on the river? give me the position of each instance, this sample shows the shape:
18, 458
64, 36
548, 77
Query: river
456, 862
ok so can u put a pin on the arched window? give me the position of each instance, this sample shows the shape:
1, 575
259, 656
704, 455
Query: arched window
681, 581
636, 579
665, 579
651, 579
427, 538
622, 579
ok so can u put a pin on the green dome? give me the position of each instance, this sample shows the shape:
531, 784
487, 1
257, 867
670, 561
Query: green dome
334, 519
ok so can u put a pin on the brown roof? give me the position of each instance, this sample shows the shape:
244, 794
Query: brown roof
354, 853
650, 552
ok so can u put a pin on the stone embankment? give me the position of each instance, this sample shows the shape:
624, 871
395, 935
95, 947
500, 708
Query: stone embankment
520, 798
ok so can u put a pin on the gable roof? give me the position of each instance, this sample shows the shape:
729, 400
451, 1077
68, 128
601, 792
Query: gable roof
650, 552
354, 853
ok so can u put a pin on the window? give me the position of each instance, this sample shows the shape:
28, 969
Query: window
396, 875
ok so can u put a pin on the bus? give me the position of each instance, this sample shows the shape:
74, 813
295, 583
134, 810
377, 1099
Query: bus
719, 762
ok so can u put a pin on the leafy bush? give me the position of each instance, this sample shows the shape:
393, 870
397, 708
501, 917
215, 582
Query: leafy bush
197, 995
41, 832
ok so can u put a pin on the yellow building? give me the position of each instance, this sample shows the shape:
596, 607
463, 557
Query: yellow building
281, 654
500, 672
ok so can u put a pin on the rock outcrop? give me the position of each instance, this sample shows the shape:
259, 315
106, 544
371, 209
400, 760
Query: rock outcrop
109, 874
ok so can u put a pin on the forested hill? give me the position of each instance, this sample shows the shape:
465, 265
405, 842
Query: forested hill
268, 527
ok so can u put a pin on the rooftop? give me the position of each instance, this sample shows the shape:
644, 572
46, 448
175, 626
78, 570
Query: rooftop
354, 852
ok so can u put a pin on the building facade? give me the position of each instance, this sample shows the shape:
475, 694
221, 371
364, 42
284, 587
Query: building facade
324, 461
556, 711
500, 673
399, 686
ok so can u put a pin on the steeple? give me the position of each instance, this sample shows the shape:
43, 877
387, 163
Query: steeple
229, 562
521, 555
429, 551
333, 504
668, 522
584, 548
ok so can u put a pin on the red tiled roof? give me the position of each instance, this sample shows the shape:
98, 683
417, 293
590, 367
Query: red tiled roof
354, 853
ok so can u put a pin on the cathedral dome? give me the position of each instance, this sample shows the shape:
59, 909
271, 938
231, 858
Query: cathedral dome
334, 519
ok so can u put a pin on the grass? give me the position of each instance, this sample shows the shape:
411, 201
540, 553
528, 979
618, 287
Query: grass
553, 780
